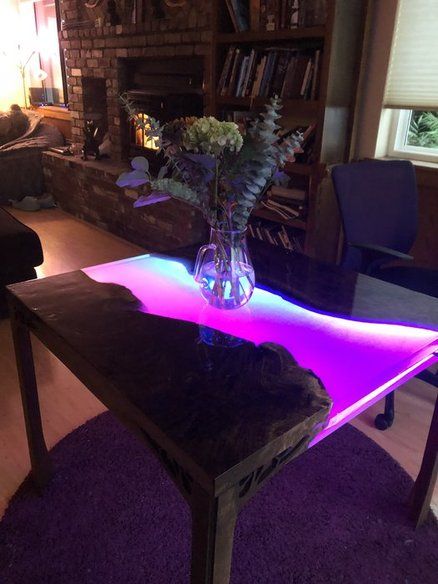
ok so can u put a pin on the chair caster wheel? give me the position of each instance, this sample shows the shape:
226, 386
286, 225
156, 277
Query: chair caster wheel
381, 422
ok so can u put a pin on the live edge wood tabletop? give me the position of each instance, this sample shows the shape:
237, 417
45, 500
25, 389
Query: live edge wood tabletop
222, 418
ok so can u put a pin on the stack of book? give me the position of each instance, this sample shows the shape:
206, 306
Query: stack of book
275, 234
286, 72
271, 15
287, 203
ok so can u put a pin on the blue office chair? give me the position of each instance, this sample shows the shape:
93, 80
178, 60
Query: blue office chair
378, 204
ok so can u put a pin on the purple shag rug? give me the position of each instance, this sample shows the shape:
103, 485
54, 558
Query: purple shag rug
111, 515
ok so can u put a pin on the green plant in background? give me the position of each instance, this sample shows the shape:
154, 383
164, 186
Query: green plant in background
212, 165
423, 129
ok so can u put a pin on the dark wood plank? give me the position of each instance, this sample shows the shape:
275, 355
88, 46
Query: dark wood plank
311, 32
40, 461
427, 477
216, 412
213, 524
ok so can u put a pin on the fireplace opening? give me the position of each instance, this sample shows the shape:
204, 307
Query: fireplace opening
95, 104
164, 89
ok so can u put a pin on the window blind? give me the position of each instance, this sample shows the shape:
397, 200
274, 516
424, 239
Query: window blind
412, 81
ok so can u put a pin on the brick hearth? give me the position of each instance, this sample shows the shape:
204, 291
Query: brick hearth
87, 190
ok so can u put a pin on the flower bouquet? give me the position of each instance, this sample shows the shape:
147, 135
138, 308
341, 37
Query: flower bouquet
223, 171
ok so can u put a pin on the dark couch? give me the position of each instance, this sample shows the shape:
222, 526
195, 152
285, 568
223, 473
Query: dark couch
21, 169
20, 252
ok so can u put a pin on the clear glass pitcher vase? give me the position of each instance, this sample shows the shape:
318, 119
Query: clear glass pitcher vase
224, 270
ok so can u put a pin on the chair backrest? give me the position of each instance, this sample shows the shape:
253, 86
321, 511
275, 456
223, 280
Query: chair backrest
378, 204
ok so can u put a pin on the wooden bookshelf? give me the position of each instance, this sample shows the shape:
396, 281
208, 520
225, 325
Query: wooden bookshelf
306, 108
314, 32
301, 168
331, 109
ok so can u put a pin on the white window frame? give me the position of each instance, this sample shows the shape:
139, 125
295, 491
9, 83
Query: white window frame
397, 147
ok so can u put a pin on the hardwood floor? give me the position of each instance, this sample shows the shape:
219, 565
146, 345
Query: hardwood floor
70, 244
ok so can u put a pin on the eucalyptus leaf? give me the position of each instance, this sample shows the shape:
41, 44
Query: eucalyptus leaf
151, 199
210, 165
208, 162
133, 179
140, 163
162, 172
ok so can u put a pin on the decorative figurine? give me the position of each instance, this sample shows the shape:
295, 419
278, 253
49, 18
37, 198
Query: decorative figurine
91, 144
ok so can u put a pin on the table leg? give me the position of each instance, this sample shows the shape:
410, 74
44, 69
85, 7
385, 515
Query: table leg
39, 456
424, 485
213, 523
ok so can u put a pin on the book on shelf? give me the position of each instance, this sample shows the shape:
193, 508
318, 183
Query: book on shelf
286, 207
272, 15
226, 70
286, 212
239, 14
249, 73
268, 74
286, 72
242, 75
298, 195
306, 78
315, 75
237, 59
259, 75
275, 234
294, 76
254, 14
280, 72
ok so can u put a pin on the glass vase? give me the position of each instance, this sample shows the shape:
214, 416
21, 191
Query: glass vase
224, 270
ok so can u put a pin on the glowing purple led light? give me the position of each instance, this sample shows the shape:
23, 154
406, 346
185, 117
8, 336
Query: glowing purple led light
358, 362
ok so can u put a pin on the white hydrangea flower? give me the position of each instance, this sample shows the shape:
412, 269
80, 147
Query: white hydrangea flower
210, 136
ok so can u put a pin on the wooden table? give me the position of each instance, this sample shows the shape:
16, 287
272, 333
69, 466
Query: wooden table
318, 346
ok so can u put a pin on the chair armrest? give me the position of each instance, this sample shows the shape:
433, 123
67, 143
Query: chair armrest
374, 256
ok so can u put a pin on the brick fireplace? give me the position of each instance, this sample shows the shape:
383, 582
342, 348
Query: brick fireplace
164, 88
106, 53
102, 61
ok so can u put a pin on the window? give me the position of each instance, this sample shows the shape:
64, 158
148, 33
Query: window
414, 135
412, 83
45, 76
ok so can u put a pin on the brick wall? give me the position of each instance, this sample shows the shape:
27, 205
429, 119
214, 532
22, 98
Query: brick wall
100, 51
88, 191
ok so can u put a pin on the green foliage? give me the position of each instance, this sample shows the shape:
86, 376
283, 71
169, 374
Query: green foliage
423, 129
213, 167
176, 189
150, 126
252, 171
